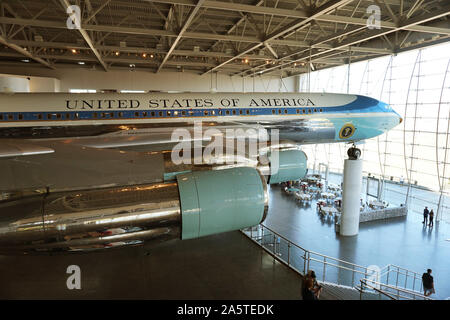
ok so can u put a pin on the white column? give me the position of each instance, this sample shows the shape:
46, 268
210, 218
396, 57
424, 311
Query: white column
351, 195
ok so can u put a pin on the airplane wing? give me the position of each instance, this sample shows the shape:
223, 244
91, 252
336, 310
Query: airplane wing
13, 148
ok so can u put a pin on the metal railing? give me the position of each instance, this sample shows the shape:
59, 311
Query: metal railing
393, 282
327, 269
388, 291
401, 277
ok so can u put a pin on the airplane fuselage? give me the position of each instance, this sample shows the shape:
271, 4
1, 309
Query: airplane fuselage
300, 117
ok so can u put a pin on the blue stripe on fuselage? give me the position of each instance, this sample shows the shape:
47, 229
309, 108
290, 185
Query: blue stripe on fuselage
361, 104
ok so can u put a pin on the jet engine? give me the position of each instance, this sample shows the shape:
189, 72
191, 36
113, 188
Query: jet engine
196, 204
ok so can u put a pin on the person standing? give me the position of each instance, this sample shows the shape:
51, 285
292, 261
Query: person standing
428, 283
425, 216
431, 218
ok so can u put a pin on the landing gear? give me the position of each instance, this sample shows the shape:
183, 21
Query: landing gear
354, 153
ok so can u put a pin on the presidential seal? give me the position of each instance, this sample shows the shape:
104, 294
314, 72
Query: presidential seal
347, 131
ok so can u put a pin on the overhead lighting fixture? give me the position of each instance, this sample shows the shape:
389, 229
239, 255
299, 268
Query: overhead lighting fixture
74, 51
144, 55
117, 53
132, 65
81, 62
151, 56
25, 60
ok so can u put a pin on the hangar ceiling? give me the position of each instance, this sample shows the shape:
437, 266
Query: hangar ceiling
241, 37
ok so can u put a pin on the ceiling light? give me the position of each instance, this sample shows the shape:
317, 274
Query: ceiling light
81, 62
144, 55
74, 51
117, 53
25, 60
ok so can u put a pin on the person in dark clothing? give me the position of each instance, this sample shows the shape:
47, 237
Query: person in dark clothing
317, 289
425, 216
428, 283
307, 288
431, 218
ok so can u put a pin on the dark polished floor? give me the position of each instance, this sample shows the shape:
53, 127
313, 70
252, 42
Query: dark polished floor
225, 266
400, 241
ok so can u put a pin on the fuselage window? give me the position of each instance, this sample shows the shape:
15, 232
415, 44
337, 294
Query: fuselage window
183, 113
206, 113
67, 115
191, 113
315, 110
285, 110
240, 111
304, 111
320, 110
160, 113
10, 117
234, 112
58, 116
1, 117
213, 112
227, 112
94, 115
144, 114
247, 111
298, 111
120, 114
76, 116
49, 116
309, 110
20, 116
152, 113
40, 116
273, 111
136, 114
168, 113
279, 111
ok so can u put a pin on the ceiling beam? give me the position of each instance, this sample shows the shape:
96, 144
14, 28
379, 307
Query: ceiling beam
24, 52
93, 14
291, 26
444, 11
65, 4
180, 34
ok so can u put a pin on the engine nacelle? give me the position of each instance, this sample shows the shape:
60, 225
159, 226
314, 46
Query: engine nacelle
221, 200
287, 165
198, 204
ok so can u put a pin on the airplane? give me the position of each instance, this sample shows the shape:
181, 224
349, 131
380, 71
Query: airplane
85, 172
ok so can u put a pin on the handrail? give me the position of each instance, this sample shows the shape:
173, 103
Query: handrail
413, 293
376, 289
313, 252
311, 256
